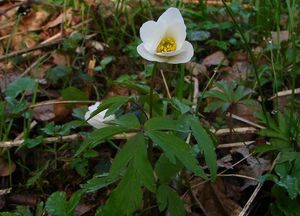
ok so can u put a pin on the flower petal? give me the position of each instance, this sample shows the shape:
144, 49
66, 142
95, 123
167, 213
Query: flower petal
178, 32
183, 57
151, 33
98, 121
172, 15
148, 55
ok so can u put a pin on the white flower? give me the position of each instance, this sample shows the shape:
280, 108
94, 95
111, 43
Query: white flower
164, 40
98, 120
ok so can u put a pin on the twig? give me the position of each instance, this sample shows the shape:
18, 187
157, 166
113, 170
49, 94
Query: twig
20, 136
285, 93
236, 117
45, 103
27, 50
234, 145
245, 210
233, 165
69, 138
33, 65
240, 130
238, 175
165, 83
216, 3
5, 191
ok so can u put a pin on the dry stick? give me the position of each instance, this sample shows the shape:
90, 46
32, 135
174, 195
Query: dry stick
238, 175
195, 101
46, 103
216, 3
165, 83
5, 191
240, 130
68, 138
245, 210
23, 51
236, 117
233, 165
20, 136
285, 93
34, 65
235, 145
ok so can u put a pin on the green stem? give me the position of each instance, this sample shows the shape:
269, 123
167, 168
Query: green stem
152, 90
180, 88
252, 58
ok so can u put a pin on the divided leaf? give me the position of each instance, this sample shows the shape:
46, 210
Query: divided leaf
175, 148
168, 199
206, 144
98, 135
126, 198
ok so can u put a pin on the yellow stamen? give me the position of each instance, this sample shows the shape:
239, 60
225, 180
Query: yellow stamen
167, 44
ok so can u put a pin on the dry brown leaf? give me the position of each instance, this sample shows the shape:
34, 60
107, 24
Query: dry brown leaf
61, 59
6, 168
44, 113
7, 78
34, 20
65, 17
281, 37
197, 69
215, 59
255, 167
216, 197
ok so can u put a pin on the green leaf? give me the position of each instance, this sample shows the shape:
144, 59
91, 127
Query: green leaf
164, 123
74, 201
7, 214
142, 164
99, 135
288, 206
174, 148
291, 184
97, 183
206, 144
20, 85
57, 73
199, 35
57, 204
166, 170
112, 104
31, 143
168, 198
72, 93
126, 198
129, 121
136, 150
107, 60
181, 105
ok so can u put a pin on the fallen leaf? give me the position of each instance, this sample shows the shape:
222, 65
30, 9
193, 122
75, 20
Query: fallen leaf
197, 69
6, 168
281, 37
44, 113
61, 59
214, 197
215, 59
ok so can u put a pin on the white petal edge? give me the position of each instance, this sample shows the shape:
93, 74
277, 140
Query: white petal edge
178, 32
151, 34
142, 51
171, 15
185, 56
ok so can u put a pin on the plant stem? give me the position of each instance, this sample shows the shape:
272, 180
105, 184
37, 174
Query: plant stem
179, 90
151, 91
252, 58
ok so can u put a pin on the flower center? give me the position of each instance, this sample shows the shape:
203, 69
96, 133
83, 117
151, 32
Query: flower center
167, 44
